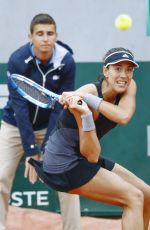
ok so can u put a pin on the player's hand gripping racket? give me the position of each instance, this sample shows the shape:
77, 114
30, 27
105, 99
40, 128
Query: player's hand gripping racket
34, 92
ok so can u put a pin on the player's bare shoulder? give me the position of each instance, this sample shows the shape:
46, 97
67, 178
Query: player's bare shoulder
132, 87
133, 84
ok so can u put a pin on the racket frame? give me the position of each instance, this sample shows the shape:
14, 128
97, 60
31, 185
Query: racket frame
52, 97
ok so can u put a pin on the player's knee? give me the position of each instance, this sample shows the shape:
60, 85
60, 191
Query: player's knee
136, 198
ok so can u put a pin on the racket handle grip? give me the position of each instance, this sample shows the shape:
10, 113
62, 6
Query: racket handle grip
80, 102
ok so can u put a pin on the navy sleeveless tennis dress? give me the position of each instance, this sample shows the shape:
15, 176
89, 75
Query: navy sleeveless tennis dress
63, 167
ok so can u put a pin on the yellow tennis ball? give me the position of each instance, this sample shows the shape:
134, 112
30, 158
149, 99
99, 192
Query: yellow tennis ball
123, 22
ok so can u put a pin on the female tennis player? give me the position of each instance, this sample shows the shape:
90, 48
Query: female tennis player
72, 161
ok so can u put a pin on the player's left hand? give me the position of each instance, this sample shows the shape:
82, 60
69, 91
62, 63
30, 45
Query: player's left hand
73, 103
64, 98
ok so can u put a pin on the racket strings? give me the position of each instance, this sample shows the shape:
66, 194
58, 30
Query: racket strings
34, 92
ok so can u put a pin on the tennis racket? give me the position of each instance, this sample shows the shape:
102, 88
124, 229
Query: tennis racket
34, 92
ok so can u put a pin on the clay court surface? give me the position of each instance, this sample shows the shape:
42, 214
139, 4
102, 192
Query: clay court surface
31, 219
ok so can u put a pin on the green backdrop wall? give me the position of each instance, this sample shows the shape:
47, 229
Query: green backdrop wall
126, 145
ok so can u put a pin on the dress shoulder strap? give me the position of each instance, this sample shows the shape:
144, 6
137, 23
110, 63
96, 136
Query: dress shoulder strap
98, 85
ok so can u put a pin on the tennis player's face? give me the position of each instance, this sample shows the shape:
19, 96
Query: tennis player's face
119, 76
43, 39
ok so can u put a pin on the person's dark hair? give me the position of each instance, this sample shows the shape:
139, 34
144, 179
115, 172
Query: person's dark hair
41, 19
113, 50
